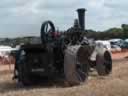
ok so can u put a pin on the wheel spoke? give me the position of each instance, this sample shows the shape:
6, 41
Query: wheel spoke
81, 74
46, 28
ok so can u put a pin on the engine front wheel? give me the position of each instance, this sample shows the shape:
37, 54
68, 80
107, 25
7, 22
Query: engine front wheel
104, 64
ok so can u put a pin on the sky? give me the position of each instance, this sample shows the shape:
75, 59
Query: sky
20, 18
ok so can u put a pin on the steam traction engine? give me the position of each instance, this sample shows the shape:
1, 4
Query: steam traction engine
68, 55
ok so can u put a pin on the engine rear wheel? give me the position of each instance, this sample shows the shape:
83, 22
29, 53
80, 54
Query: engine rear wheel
104, 64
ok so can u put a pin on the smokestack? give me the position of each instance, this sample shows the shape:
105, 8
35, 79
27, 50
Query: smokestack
81, 17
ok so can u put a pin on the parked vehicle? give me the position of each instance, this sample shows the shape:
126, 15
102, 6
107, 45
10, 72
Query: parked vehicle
115, 48
126, 40
118, 42
124, 45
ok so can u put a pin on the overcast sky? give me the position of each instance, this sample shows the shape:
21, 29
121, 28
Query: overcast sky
24, 17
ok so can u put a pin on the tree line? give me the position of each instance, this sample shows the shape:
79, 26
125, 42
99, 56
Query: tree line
96, 35
109, 34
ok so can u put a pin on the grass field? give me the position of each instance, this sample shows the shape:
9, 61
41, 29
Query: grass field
116, 84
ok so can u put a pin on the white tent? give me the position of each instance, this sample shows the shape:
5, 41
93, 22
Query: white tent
105, 43
6, 48
5, 57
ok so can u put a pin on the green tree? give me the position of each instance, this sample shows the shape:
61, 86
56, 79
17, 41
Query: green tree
125, 30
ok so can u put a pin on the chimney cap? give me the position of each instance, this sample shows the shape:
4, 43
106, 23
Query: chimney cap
81, 9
